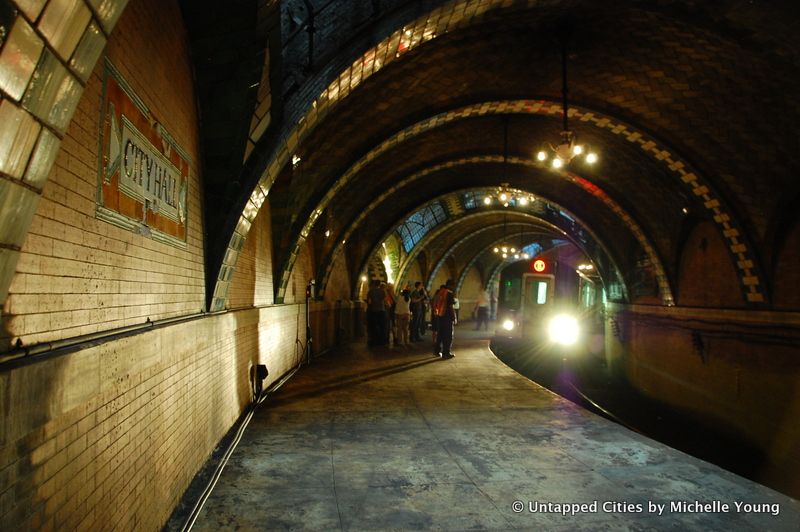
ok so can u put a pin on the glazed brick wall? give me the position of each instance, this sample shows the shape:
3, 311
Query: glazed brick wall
787, 274
724, 381
302, 272
252, 281
413, 274
441, 277
110, 437
707, 278
77, 274
469, 291
338, 286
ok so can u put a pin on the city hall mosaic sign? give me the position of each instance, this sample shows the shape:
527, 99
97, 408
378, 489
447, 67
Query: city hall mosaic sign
143, 173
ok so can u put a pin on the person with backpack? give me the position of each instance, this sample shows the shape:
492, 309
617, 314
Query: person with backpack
436, 306
446, 319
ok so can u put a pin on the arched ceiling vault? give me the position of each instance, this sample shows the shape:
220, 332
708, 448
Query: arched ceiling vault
541, 214
468, 251
479, 232
591, 203
653, 88
497, 265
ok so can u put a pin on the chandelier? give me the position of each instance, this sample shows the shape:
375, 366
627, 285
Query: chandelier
504, 195
509, 250
568, 148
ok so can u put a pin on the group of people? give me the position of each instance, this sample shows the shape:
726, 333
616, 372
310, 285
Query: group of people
401, 317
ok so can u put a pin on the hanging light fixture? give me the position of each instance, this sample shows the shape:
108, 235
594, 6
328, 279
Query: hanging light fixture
521, 254
504, 250
504, 195
569, 148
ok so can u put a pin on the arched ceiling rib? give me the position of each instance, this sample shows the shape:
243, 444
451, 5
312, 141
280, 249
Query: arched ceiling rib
651, 66
469, 249
541, 213
652, 159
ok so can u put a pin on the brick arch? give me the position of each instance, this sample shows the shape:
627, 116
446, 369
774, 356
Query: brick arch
600, 256
517, 229
636, 230
35, 115
751, 283
484, 252
437, 22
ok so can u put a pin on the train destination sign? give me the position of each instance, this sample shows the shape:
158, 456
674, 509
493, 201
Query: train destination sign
539, 266
143, 172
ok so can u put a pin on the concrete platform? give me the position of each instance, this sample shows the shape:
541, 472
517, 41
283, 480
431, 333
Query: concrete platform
392, 439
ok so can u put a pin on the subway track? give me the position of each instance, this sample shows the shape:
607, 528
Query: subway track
584, 379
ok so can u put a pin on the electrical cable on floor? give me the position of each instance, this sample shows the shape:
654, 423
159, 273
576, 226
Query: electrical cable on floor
190, 520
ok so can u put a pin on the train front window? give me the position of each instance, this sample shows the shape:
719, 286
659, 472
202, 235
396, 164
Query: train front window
541, 293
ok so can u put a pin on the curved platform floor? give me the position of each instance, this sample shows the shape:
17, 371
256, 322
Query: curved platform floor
394, 439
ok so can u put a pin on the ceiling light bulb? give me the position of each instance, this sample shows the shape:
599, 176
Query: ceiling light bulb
591, 158
557, 163
363, 278
516, 256
577, 149
487, 200
503, 197
523, 201
505, 255
327, 233
513, 250
541, 156
525, 256
505, 249
505, 204
496, 250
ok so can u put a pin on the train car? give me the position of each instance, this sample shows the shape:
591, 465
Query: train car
545, 299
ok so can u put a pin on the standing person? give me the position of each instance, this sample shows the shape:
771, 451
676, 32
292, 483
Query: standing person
456, 307
482, 310
447, 319
402, 316
437, 304
423, 324
390, 302
416, 311
376, 314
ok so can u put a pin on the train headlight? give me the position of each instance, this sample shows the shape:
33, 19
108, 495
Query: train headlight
508, 325
563, 329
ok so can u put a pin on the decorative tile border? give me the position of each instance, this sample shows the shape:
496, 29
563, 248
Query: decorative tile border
638, 233
749, 278
44, 65
453, 15
605, 259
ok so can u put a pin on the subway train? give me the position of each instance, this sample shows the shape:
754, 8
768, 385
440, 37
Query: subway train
552, 300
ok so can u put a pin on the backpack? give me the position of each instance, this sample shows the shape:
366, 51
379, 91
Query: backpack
440, 302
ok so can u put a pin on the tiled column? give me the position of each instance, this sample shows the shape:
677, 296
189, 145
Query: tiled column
48, 50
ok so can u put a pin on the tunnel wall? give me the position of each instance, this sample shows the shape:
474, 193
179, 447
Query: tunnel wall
78, 274
736, 370
108, 433
251, 284
110, 436
470, 288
